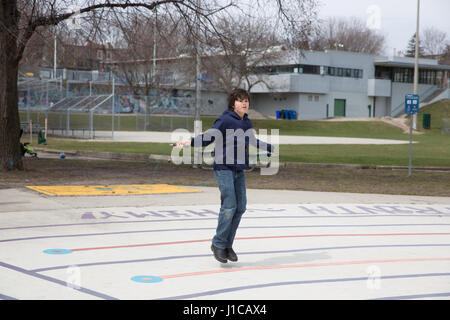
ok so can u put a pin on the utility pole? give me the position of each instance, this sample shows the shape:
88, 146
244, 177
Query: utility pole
416, 64
154, 45
197, 126
113, 104
197, 121
54, 54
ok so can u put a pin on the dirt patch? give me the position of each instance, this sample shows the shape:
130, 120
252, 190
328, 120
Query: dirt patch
101, 172
401, 122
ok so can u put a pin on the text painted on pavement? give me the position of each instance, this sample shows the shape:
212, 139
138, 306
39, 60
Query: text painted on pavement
282, 210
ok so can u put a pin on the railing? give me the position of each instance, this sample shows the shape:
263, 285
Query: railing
401, 107
435, 94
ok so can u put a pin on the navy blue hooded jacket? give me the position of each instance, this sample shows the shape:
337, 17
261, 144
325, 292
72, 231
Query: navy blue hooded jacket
232, 136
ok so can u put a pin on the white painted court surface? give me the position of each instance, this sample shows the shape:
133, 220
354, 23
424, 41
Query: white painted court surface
304, 246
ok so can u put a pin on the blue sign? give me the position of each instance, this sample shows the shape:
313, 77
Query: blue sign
412, 104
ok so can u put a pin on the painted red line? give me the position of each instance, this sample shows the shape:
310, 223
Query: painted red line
268, 237
308, 265
142, 245
346, 235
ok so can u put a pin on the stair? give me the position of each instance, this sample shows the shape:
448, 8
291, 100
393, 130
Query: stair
436, 93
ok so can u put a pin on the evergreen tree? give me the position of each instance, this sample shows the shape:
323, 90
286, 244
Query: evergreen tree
411, 49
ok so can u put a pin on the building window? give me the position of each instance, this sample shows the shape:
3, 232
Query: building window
384, 73
357, 73
310, 98
285, 69
310, 69
406, 75
99, 54
316, 98
331, 71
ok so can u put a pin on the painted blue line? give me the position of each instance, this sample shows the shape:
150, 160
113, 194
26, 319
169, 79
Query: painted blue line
63, 283
5, 297
98, 234
215, 218
214, 228
124, 261
417, 296
243, 253
290, 283
106, 222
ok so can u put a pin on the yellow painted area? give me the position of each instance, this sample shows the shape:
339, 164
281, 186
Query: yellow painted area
109, 190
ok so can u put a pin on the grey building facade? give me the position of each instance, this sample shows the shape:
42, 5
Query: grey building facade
320, 85
316, 84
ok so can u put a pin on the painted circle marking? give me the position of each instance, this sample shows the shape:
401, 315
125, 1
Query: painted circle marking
147, 279
58, 251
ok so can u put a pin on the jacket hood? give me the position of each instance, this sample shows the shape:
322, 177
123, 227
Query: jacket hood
233, 114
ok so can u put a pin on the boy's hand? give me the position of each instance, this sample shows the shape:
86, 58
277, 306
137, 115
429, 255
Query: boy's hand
182, 144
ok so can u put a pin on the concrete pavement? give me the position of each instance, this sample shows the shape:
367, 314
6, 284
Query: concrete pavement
170, 137
291, 245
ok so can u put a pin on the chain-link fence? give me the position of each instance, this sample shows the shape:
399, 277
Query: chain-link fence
82, 116
81, 107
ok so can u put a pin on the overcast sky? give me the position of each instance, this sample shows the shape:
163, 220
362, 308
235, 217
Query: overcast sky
397, 18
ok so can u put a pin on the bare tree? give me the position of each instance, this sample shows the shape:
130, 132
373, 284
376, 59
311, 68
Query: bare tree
150, 42
244, 43
35, 51
346, 35
433, 41
20, 19
445, 57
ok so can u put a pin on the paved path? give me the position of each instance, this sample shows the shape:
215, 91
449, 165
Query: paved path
291, 245
161, 137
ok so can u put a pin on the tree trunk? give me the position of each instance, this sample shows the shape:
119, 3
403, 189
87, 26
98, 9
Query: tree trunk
10, 156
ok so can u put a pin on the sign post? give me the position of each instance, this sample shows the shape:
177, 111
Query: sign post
411, 108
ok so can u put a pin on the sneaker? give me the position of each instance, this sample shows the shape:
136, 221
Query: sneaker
219, 254
231, 255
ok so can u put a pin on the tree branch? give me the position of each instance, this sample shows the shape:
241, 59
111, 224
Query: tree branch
54, 19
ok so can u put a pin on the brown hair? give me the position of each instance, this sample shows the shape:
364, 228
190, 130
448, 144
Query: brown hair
237, 94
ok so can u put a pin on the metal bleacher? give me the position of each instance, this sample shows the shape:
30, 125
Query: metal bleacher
78, 104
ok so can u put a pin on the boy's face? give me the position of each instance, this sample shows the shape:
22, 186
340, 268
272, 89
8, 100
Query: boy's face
241, 106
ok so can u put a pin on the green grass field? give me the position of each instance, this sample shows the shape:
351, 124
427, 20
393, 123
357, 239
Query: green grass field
432, 148
438, 111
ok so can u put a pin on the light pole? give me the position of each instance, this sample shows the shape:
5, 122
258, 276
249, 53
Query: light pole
416, 65
197, 125
154, 44
413, 115
54, 56
197, 121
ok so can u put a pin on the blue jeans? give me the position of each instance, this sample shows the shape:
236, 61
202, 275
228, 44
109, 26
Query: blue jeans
233, 200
